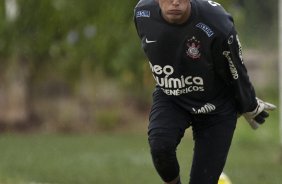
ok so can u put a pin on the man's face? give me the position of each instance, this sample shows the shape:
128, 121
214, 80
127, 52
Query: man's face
175, 11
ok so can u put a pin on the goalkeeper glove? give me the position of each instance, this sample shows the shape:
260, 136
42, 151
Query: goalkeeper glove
257, 117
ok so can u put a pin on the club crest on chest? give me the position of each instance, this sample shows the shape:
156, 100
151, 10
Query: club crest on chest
193, 48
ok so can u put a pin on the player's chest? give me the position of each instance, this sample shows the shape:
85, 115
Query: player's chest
176, 45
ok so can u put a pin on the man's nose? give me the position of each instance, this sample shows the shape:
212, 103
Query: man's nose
175, 2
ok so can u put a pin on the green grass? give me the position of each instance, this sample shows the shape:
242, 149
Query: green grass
123, 158
75, 159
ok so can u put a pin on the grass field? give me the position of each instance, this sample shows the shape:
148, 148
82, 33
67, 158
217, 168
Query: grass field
123, 158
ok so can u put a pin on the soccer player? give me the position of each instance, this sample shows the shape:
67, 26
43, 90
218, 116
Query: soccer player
201, 82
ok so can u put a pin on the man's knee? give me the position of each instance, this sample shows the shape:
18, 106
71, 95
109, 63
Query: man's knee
164, 158
162, 149
163, 143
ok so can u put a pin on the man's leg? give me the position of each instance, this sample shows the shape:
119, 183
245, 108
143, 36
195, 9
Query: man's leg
163, 150
166, 128
211, 148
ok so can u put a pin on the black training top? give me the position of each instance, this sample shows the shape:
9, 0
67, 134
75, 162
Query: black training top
197, 64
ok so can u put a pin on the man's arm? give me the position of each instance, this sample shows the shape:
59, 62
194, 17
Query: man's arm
234, 72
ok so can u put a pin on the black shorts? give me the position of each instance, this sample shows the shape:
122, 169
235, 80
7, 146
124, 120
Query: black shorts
212, 135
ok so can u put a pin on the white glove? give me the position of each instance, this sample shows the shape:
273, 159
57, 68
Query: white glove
257, 116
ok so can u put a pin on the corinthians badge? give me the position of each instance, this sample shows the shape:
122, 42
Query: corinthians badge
193, 46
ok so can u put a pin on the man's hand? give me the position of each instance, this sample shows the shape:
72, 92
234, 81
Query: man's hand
257, 116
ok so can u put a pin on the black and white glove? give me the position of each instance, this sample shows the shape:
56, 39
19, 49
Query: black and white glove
257, 116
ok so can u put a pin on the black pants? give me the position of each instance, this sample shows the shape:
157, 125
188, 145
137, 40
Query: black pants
212, 136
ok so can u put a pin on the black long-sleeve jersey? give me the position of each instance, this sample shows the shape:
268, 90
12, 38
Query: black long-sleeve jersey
197, 64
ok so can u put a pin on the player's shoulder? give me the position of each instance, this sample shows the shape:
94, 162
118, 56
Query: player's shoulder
145, 4
215, 15
146, 9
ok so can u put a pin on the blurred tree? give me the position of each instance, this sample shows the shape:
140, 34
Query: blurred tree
59, 39
256, 18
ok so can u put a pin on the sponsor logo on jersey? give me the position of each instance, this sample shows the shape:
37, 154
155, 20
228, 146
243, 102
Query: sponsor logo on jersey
207, 108
240, 49
232, 67
193, 46
205, 28
230, 40
143, 13
176, 85
214, 3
